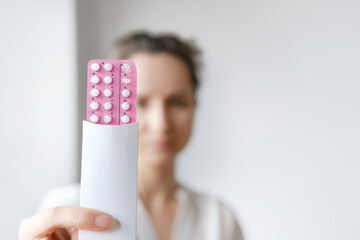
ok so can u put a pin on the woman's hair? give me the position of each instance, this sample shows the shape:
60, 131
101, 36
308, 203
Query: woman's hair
130, 44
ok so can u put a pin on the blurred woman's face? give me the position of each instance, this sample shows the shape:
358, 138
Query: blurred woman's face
165, 106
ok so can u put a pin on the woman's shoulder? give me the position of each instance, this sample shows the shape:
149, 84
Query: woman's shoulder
206, 201
211, 210
208, 204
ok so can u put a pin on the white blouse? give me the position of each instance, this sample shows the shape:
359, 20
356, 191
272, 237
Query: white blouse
198, 217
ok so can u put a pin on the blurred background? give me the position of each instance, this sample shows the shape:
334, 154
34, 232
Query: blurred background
277, 134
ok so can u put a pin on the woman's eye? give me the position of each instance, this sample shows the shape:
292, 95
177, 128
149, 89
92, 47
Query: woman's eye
178, 102
141, 103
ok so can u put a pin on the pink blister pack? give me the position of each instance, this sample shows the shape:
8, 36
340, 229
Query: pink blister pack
111, 92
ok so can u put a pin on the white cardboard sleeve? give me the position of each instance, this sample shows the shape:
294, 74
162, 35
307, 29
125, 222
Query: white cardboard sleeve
109, 177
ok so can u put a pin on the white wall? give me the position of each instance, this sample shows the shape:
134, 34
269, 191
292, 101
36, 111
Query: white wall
38, 143
277, 130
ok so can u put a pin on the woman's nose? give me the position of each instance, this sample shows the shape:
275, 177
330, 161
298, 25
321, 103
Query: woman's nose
160, 121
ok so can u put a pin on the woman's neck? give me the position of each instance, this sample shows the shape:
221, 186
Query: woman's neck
156, 184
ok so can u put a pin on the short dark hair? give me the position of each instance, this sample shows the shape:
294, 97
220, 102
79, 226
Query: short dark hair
142, 41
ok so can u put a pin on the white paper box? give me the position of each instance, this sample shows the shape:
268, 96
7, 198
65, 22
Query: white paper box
109, 177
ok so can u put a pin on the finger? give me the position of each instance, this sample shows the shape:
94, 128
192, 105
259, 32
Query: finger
61, 234
48, 221
75, 235
56, 235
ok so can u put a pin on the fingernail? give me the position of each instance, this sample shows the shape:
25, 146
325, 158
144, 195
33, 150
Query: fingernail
104, 221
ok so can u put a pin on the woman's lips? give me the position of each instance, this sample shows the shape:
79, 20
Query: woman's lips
161, 145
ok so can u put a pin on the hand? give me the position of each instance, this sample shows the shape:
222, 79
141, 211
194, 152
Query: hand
55, 223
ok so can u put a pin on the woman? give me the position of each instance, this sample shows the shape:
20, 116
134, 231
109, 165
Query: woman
167, 83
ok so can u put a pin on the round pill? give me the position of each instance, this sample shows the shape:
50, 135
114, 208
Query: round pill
126, 80
95, 67
94, 105
125, 119
125, 93
126, 67
108, 79
94, 118
107, 119
95, 79
107, 92
108, 67
94, 92
107, 106
125, 106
